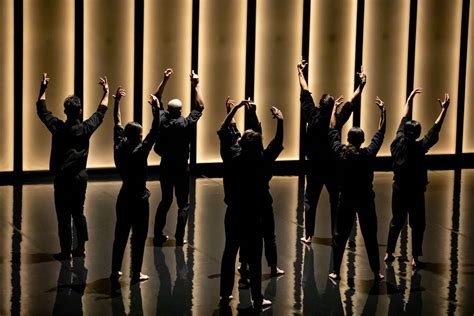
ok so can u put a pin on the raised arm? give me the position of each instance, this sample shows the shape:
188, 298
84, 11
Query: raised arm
93, 122
407, 112
251, 118
117, 97
432, 136
363, 80
44, 114
335, 121
43, 87
346, 111
275, 147
377, 140
301, 66
230, 116
199, 106
382, 121
161, 87
152, 135
444, 109
105, 88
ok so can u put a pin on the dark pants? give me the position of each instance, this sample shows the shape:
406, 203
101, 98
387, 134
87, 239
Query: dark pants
316, 178
251, 245
346, 214
231, 248
407, 202
69, 197
132, 214
180, 182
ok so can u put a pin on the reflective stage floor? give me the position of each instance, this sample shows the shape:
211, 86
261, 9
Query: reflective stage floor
185, 280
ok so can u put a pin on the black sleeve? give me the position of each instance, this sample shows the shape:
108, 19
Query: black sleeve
193, 117
93, 122
400, 127
311, 113
343, 116
48, 119
251, 121
151, 137
118, 135
334, 140
376, 143
431, 138
228, 143
275, 147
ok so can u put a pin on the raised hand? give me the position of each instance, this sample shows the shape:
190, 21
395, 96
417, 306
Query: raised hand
445, 102
380, 103
338, 101
194, 78
229, 104
104, 83
167, 73
362, 75
119, 94
276, 113
415, 92
301, 65
44, 81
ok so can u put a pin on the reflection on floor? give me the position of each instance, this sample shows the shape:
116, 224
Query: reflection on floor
185, 280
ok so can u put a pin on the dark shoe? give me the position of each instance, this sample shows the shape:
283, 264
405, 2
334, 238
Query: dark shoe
262, 305
417, 264
275, 272
62, 256
378, 277
225, 300
389, 257
181, 242
334, 276
306, 240
243, 271
78, 252
351, 244
139, 277
160, 240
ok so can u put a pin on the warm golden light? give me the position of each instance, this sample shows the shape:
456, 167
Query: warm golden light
6, 85
468, 140
48, 46
164, 47
277, 50
108, 51
331, 49
222, 50
6, 216
385, 56
437, 66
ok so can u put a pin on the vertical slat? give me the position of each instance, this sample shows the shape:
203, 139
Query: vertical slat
468, 138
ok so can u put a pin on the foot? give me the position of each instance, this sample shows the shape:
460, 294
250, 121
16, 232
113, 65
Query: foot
78, 252
417, 264
334, 276
275, 272
115, 275
378, 277
160, 240
244, 273
139, 277
351, 244
388, 257
62, 256
181, 242
307, 240
262, 305
225, 300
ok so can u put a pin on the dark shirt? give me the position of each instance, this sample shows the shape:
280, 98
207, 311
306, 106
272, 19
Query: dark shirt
316, 137
408, 157
131, 160
174, 138
355, 166
70, 143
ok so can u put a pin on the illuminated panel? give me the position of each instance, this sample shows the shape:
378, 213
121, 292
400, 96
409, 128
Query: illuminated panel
164, 47
48, 46
6, 216
108, 50
277, 51
438, 34
332, 49
222, 43
385, 55
6, 85
468, 140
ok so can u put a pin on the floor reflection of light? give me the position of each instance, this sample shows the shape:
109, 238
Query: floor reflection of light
6, 235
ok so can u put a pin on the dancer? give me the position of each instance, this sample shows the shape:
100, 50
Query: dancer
69, 152
172, 145
411, 177
131, 155
321, 160
356, 174
249, 175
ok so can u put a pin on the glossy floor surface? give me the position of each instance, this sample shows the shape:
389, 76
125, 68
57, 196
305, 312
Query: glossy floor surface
185, 280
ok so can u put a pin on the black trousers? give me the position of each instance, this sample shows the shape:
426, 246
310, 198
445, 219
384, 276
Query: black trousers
232, 244
317, 177
251, 245
69, 197
407, 202
132, 214
346, 214
179, 181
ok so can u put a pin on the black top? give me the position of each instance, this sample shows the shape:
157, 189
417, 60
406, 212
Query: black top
409, 166
70, 143
316, 136
355, 166
131, 160
174, 138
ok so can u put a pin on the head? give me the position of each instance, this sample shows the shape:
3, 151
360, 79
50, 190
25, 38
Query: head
412, 129
72, 107
133, 132
326, 103
251, 143
174, 107
356, 136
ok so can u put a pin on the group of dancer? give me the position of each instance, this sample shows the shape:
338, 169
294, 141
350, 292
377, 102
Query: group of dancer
346, 171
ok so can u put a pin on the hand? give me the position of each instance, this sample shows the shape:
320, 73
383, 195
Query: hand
119, 94
153, 101
44, 82
301, 65
445, 102
194, 78
362, 75
229, 104
167, 73
250, 105
241, 104
380, 103
276, 113
338, 102
104, 83
415, 92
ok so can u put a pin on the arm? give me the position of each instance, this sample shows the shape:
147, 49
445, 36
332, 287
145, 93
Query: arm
407, 112
230, 116
251, 119
334, 140
275, 147
44, 114
105, 88
152, 135
377, 140
357, 93
334, 121
197, 89
117, 97
161, 87
301, 66
93, 122
432, 136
